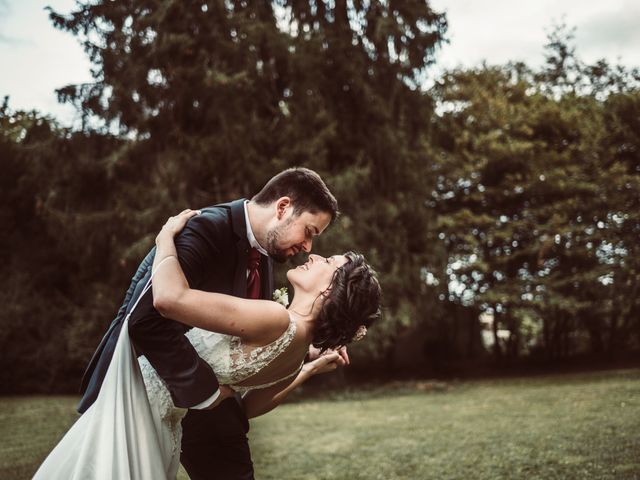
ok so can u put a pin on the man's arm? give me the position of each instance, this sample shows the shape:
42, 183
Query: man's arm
190, 379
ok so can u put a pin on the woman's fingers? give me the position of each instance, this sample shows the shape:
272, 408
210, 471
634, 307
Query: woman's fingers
334, 356
330, 362
330, 357
190, 213
187, 213
176, 223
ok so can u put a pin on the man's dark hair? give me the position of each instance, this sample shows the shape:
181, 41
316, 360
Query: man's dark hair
306, 189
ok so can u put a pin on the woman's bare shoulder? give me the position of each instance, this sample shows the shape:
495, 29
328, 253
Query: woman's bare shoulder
272, 320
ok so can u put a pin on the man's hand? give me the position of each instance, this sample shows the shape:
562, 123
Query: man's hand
225, 392
343, 356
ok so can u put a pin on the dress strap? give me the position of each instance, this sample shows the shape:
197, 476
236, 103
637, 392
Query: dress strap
147, 286
270, 384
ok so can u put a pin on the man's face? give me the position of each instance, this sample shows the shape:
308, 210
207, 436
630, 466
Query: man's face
294, 233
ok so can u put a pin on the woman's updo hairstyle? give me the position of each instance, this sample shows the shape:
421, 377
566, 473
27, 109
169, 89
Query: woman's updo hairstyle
353, 300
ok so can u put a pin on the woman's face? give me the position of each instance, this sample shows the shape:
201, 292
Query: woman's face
315, 276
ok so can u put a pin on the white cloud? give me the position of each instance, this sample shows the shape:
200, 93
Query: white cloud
613, 34
502, 30
37, 58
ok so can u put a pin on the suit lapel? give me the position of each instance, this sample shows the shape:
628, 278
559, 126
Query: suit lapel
240, 275
266, 277
239, 228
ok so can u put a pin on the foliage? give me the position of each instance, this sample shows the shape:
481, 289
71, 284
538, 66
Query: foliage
537, 194
197, 103
503, 189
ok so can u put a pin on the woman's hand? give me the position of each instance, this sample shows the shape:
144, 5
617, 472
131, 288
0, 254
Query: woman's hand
343, 361
260, 401
174, 225
323, 364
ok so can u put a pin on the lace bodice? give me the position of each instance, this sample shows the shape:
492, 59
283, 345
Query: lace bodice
234, 362
231, 360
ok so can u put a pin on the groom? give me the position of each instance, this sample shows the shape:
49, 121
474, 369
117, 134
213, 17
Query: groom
228, 249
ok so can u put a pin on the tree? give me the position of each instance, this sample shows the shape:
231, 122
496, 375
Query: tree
534, 192
220, 95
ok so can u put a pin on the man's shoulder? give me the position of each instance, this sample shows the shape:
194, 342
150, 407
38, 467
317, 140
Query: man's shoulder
215, 218
216, 213
221, 212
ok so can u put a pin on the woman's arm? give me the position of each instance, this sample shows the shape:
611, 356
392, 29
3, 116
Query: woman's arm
260, 401
252, 320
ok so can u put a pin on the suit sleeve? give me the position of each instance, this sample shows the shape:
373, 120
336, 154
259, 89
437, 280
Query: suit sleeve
189, 378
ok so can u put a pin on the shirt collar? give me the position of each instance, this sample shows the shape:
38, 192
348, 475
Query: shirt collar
250, 236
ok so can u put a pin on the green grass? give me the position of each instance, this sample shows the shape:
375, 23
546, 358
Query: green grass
553, 427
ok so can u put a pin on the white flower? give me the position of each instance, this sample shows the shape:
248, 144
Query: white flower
360, 333
281, 296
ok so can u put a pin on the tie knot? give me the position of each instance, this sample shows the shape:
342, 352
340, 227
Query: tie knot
254, 258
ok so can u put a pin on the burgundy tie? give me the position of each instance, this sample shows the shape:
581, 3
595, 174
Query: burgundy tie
253, 280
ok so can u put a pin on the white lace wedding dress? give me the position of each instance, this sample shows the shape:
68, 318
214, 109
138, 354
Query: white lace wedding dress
133, 430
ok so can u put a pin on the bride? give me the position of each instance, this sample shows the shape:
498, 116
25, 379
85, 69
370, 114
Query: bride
257, 347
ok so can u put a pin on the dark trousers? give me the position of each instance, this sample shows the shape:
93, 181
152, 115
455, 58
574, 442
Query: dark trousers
215, 444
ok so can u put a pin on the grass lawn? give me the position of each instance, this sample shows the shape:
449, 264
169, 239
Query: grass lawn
552, 427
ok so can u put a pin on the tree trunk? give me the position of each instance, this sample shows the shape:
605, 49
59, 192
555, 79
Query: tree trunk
546, 335
497, 351
613, 334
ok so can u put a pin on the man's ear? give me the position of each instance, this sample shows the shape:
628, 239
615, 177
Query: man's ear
282, 204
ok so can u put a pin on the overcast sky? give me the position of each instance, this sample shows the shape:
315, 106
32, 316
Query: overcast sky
36, 58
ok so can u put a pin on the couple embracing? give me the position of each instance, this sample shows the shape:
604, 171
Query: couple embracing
198, 347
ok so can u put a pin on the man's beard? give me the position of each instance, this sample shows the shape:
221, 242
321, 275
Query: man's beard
275, 252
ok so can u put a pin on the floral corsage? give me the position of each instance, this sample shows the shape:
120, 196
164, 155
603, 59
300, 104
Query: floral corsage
360, 333
281, 296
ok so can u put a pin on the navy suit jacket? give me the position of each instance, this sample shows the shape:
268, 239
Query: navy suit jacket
213, 251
